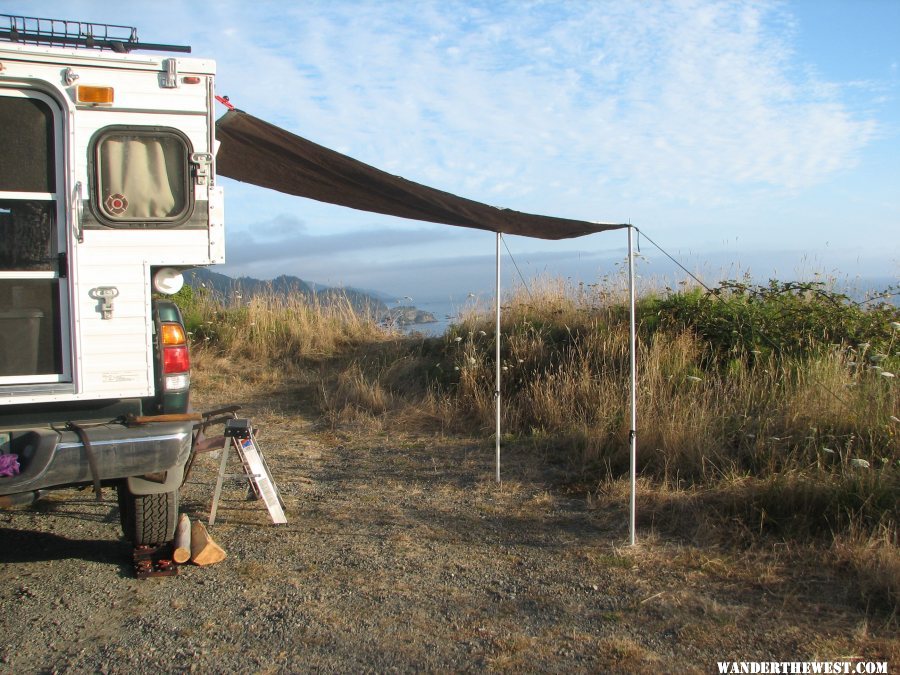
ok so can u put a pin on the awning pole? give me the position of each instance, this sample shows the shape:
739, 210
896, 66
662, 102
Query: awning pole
497, 361
632, 435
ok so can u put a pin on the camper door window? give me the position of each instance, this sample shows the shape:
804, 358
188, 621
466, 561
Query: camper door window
31, 335
27, 183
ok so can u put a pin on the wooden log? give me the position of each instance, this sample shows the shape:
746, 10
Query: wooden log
171, 417
204, 551
182, 544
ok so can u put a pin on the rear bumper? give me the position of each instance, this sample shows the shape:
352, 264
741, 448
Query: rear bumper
50, 459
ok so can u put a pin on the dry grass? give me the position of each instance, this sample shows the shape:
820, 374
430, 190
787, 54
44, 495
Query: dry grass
276, 328
754, 448
873, 561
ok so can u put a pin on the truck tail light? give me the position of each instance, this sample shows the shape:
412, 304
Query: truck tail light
176, 359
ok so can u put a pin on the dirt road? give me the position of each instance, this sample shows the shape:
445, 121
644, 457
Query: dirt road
401, 554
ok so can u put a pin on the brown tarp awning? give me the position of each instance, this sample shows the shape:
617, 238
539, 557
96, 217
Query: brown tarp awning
254, 151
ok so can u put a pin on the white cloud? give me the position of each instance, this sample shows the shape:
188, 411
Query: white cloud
689, 101
679, 112
686, 100
285, 238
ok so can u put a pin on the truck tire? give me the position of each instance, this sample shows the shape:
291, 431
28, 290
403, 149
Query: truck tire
148, 520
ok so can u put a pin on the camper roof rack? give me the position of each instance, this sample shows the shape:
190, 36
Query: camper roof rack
79, 34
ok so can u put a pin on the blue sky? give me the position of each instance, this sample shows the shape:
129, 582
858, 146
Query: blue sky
741, 136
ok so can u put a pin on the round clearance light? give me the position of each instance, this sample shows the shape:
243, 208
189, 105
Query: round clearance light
168, 280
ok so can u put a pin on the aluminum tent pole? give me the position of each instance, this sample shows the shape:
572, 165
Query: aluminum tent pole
497, 361
632, 434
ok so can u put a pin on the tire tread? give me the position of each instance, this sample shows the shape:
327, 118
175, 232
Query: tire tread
148, 520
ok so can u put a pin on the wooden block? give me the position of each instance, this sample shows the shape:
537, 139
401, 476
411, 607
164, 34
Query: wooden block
204, 551
182, 544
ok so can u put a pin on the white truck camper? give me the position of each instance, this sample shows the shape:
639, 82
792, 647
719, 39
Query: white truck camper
107, 192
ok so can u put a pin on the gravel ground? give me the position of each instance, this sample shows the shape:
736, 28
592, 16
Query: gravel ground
401, 554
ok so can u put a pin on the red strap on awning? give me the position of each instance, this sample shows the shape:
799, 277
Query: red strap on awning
224, 101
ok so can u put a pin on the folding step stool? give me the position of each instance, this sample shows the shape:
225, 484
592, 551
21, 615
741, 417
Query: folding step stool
239, 433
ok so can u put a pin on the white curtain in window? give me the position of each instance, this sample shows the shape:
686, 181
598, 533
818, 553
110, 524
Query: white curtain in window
145, 171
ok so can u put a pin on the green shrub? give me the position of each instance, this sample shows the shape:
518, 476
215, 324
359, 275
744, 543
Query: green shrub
785, 319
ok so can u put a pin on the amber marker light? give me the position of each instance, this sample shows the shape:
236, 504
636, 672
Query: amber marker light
85, 93
173, 334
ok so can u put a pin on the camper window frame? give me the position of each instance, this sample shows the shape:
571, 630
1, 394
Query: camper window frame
96, 199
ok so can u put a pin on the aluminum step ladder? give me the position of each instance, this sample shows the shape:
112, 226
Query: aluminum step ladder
240, 435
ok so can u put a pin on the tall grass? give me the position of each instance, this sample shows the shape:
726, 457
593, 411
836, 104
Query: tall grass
273, 328
771, 406
705, 411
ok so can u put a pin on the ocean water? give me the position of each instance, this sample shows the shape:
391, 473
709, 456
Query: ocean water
446, 312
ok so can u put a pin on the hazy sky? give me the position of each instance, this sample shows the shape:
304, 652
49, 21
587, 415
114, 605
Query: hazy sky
760, 136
